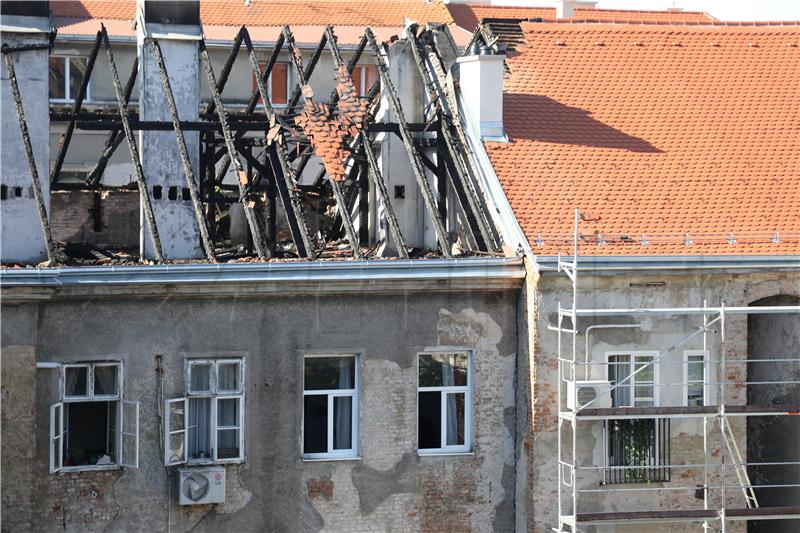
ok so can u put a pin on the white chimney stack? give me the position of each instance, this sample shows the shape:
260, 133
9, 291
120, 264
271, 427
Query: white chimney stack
565, 9
481, 82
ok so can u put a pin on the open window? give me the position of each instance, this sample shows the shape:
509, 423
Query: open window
364, 77
330, 406
92, 426
207, 426
695, 378
444, 403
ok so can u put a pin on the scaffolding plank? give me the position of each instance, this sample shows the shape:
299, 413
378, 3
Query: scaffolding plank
592, 413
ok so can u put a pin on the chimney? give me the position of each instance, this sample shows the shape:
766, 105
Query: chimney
176, 26
565, 9
24, 24
481, 86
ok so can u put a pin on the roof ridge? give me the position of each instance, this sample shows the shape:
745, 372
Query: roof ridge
636, 22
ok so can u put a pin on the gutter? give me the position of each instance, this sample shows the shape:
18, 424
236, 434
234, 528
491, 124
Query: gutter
671, 263
333, 272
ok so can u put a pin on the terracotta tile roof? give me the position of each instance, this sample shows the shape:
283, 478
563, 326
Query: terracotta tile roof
653, 130
276, 12
469, 16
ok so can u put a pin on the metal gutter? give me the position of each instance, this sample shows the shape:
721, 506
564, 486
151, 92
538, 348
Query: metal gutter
495, 268
698, 262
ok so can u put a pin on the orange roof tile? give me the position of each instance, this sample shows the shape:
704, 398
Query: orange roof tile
469, 16
652, 130
276, 12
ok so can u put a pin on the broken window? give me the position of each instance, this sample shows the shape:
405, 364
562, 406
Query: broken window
92, 426
364, 77
637, 449
277, 84
330, 406
66, 76
207, 425
445, 403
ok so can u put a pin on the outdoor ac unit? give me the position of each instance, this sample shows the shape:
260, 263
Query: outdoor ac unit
580, 393
197, 486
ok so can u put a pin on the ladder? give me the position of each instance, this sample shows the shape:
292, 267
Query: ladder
740, 466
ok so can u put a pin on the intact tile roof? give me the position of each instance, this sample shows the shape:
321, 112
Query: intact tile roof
469, 16
675, 133
276, 12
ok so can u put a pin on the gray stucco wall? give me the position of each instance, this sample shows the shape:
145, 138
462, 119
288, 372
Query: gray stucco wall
390, 488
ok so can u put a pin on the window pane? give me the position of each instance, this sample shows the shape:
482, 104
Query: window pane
323, 373
176, 416
280, 82
695, 370
430, 420
228, 412
315, 424
200, 377
77, 70
176, 451
57, 78
228, 444
619, 369
648, 373
228, 377
695, 395
356, 77
76, 378
437, 370
455, 418
105, 380
199, 428
342, 422
644, 395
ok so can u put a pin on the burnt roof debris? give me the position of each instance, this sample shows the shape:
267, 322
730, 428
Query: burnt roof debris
269, 148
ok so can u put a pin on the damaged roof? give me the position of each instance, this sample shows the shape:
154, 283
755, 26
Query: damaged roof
670, 139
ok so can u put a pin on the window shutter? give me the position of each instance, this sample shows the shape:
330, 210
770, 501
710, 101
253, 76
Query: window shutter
129, 433
56, 436
279, 83
370, 78
175, 434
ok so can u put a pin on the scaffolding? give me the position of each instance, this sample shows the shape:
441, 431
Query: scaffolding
721, 458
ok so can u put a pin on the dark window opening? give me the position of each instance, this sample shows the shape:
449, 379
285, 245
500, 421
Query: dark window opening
638, 443
157, 192
18, 191
430, 420
399, 191
90, 433
315, 424
185, 194
3, 192
173, 193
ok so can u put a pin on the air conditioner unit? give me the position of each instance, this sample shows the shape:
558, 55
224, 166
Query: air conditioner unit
198, 486
580, 393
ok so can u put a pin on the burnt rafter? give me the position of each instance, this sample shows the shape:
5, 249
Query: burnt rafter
269, 149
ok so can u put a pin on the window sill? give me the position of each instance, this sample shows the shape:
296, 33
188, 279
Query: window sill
88, 468
326, 459
443, 454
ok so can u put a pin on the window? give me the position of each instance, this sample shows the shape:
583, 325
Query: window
92, 426
66, 76
635, 442
277, 85
695, 378
364, 77
444, 420
330, 406
207, 425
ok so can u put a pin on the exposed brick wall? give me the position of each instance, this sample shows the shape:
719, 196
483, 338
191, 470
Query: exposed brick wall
320, 488
72, 219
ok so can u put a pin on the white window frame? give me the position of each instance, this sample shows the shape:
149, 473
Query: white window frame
686, 355
215, 395
633, 382
68, 97
353, 393
58, 429
446, 449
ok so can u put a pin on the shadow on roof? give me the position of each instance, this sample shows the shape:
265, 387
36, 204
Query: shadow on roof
540, 118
